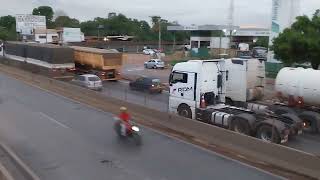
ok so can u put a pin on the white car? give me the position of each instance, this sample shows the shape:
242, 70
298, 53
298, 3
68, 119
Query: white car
154, 64
148, 52
89, 81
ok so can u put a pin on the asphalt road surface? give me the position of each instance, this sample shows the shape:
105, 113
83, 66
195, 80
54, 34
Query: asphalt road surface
305, 142
62, 139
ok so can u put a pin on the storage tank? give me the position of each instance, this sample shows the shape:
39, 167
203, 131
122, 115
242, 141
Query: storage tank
299, 83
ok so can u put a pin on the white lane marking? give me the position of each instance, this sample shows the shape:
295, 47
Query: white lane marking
53, 120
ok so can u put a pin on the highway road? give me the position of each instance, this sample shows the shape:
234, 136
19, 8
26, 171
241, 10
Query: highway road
62, 139
306, 142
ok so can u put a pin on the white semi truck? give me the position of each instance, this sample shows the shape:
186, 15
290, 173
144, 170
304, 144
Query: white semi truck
197, 91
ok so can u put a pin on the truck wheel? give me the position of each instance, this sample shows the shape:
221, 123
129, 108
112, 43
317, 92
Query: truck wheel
265, 134
185, 111
240, 125
311, 121
279, 110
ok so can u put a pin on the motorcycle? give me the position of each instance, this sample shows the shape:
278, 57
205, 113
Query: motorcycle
131, 132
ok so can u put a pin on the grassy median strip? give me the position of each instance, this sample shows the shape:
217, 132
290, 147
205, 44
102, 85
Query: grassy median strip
173, 126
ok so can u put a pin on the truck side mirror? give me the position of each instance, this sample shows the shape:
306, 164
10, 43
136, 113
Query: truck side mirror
227, 75
170, 79
219, 85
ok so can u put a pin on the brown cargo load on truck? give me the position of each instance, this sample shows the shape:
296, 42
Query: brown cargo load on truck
104, 63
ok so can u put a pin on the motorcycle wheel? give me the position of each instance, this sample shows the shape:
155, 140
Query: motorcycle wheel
137, 138
117, 128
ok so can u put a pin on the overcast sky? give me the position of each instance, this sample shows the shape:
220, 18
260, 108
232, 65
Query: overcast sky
186, 12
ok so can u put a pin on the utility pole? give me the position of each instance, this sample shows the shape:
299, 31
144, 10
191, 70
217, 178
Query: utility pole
159, 34
231, 20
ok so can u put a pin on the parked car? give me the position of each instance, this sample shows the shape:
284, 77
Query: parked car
154, 63
151, 85
89, 81
148, 52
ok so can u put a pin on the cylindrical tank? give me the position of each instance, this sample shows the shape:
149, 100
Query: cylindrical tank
299, 83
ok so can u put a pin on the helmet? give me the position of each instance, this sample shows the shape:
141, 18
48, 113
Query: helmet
123, 109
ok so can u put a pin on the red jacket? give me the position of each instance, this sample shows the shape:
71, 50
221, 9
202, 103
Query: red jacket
124, 117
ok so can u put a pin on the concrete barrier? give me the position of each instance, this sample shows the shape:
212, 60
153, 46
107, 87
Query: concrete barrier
273, 154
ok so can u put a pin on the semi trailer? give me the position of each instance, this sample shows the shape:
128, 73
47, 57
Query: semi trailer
49, 59
197, 91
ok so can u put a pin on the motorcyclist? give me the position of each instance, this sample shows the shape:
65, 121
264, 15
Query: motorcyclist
124, 117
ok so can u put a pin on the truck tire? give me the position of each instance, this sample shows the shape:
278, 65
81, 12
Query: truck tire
265, 134
279, 110
185, 111
311, 121
240, 124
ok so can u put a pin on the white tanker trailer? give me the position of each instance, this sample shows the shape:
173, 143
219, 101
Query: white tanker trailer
298, 90
299, 86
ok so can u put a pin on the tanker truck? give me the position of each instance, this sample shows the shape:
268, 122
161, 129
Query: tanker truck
104, 63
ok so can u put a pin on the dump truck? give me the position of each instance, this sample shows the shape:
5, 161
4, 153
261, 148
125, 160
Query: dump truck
197, 91
106, 64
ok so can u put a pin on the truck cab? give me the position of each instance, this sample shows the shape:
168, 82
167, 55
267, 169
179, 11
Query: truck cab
193, 80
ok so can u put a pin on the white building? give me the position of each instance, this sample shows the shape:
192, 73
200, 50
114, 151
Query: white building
46, 35
67, 35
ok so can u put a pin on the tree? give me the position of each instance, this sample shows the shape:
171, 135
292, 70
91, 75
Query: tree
262, 42
300, 43
66, 21
46, 11
7, 22
7, 28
